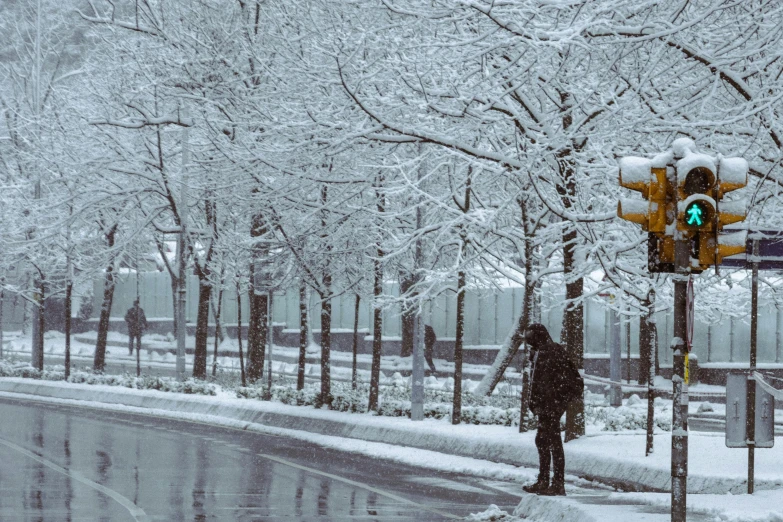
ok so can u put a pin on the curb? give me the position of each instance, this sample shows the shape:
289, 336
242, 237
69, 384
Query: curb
516, 450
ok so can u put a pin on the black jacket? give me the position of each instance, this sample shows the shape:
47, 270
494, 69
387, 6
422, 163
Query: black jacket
136, 320
555, 379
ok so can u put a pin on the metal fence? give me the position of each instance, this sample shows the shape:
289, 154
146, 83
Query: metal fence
488, 318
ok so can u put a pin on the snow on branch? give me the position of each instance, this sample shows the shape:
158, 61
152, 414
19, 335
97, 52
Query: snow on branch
138, 123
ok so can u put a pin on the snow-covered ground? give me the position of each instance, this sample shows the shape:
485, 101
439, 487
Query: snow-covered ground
493, 452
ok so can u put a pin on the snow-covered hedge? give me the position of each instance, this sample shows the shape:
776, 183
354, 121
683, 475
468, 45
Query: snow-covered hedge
25, 370
394, 401
190, 386
631, 416
57, 373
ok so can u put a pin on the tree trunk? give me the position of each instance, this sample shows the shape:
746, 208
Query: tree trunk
303, 336
256, 329
218, 329
256, 335
407, 280
68, 306
456, 411
239, 336
573, 317
573, 325
355, 341
377, 322
109, 284
377, 327
326, 308
202, 326
99, 361
326, 345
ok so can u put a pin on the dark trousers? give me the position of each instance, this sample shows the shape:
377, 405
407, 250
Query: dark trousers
550, 447
428, 358
428, 348
131, 337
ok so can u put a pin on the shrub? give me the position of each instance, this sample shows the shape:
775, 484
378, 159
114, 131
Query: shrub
146, 382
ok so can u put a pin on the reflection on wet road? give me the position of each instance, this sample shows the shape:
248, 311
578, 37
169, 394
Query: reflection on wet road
62, 463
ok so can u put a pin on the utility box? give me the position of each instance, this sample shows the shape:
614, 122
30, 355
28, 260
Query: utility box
737, 413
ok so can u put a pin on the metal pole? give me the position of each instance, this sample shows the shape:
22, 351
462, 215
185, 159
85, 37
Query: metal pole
679, 470
181, 257
750, 420
615, 370
628, 343
652, 339
417, 377
731, 339
778, 331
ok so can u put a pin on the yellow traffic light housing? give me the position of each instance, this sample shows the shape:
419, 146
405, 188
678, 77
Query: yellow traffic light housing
712, 246
732, 175
712, 250
639, 174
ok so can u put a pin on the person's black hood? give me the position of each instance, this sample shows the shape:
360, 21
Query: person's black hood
537, 336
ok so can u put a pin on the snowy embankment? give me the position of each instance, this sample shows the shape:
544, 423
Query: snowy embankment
612, 457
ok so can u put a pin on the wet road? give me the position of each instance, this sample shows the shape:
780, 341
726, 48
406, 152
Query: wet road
62, 463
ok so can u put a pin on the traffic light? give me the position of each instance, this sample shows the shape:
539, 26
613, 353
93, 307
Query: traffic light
640, 175
732, 175
696, 179
700, 211
654, 212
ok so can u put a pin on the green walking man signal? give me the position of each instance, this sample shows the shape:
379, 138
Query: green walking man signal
695, 216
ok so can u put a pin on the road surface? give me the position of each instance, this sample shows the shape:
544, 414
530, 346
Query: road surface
68, 463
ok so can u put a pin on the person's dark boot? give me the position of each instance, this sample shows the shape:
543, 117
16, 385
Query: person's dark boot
555, 490
537, 487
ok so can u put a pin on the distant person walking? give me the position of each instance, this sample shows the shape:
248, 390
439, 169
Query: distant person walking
137, 323
554, 382
429, 344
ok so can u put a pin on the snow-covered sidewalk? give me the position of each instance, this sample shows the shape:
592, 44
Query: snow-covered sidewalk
490, 451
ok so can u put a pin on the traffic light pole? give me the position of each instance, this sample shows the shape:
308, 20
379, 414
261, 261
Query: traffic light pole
750, 420
679, 471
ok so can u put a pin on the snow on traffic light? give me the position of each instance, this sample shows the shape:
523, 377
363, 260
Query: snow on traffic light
684, 200
656, 212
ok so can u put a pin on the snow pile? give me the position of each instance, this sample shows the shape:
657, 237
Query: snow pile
734, 171
634, 170
762, 506
492, 514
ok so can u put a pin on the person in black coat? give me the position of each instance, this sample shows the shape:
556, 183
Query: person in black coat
137, 323
429, 343
554, 382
